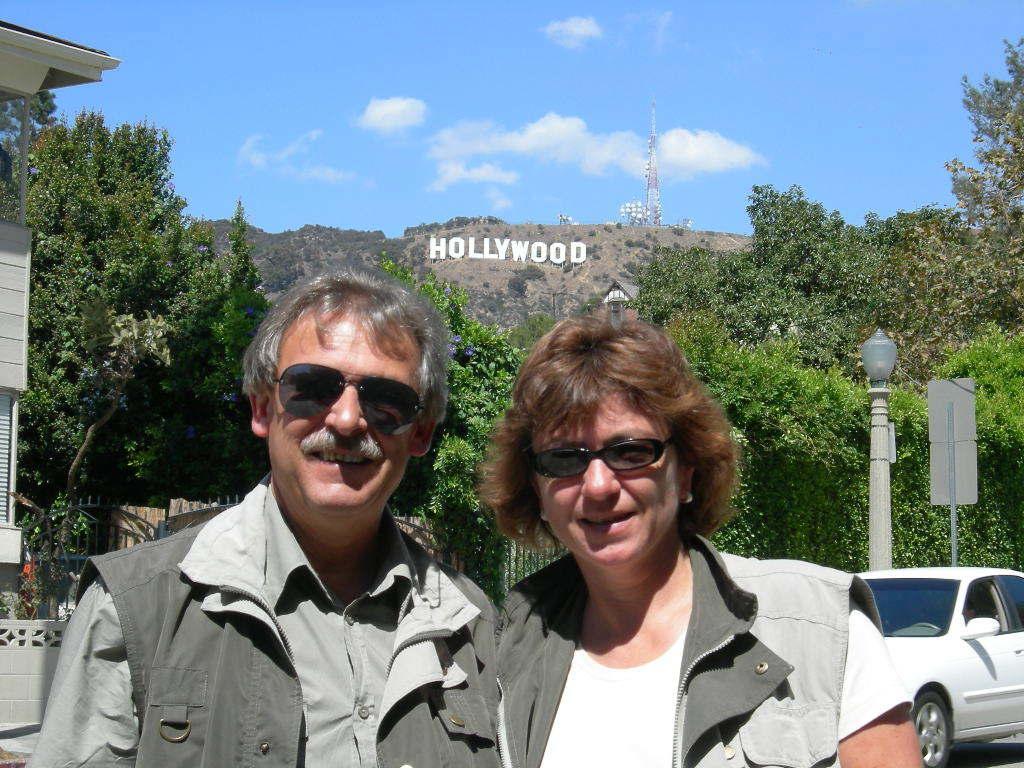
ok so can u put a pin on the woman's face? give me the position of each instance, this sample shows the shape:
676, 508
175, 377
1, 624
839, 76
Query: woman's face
615, 519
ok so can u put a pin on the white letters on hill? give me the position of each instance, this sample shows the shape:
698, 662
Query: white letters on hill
504, 249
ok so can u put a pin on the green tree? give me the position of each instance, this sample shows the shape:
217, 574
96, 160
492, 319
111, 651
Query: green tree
992, 194
806, 277
524, 336
108, 226
441, 487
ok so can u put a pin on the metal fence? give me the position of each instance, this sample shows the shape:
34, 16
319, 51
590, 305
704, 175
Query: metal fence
520, 562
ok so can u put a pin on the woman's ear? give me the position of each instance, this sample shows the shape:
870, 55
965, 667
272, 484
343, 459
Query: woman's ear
685, 475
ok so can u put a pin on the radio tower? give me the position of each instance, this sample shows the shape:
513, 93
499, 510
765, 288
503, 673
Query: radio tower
653, 201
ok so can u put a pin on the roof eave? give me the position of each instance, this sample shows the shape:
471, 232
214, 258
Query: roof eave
29, 64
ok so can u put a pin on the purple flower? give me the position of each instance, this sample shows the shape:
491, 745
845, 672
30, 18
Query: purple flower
203, 248
470, 350
250, 311
231, 397
451, 350
170, 263
33, 170
190, 431
447, 291
456, 338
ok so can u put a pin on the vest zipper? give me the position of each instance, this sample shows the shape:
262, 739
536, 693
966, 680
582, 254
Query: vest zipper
415, 640
680, 700
280, 633
504, 756
266, 609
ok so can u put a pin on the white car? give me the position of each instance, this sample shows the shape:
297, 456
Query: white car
956, 636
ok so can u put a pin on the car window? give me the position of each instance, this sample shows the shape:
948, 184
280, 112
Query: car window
983, 601
914, 607
1014, 588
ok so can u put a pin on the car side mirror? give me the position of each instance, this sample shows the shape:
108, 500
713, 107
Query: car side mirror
983, 626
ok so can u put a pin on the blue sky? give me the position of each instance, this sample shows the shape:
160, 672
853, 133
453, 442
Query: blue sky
381, 118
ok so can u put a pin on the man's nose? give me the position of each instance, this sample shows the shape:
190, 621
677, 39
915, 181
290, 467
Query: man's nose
599, 480
346, 416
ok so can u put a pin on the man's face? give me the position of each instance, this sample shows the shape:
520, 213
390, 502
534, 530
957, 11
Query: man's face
326, 467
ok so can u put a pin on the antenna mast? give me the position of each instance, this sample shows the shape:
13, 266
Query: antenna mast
653, 199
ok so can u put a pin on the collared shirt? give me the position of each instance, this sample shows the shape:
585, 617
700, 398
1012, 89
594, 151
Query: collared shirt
341, 652
341, 655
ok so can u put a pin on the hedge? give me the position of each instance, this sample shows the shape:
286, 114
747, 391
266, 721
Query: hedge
805, 438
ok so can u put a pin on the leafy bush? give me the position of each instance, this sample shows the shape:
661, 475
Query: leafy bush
440, 488
805, 437
517, 285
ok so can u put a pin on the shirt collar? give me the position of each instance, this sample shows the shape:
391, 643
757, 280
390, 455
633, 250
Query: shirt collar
285, 556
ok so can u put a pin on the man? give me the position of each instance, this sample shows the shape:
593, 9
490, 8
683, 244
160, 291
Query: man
299, 628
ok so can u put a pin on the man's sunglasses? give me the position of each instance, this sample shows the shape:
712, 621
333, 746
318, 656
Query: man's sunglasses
622, 456
307, 390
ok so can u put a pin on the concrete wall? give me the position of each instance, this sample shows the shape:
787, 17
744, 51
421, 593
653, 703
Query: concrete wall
28, 658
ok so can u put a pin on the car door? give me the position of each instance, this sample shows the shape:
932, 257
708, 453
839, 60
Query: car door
1013, 596
991, 692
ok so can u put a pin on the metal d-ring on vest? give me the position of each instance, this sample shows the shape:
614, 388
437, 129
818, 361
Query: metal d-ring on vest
172, 738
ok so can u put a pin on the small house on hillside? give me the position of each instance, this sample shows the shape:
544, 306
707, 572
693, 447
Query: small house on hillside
618, 295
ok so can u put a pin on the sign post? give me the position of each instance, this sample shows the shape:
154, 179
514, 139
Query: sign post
952, 433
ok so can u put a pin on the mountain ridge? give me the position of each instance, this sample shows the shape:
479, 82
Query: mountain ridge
502, 291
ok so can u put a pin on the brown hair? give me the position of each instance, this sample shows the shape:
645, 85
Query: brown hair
569, 374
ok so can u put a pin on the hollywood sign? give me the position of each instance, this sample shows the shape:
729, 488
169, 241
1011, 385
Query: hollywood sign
506, 249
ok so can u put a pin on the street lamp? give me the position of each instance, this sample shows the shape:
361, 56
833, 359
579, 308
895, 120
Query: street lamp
878, 354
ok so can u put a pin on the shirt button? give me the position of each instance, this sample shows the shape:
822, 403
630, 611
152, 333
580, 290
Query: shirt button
350, 619
264, 747
761, 668
364, 712
730, 753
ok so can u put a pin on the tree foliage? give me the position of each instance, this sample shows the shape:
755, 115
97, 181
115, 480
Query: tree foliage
524, 336
108, 227
805, 277
805, 441
441, 487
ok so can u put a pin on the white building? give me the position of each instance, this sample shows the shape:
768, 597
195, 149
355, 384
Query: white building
29, 62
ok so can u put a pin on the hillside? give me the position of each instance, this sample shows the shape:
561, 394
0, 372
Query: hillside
500, 291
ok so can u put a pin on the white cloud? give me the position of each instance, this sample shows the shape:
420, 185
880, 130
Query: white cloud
661, 22
326, 173
249, 155
567, 140
392, 115
453, 171
499, 201
574, 32
281, 161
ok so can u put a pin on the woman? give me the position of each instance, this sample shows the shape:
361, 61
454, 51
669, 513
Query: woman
644, 646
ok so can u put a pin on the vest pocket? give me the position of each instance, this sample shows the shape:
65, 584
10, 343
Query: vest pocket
790, 737
172, 696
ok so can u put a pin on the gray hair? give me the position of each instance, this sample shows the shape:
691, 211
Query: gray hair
381, 305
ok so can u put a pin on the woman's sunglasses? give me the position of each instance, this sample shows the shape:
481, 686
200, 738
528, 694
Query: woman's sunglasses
623, 455
307, 390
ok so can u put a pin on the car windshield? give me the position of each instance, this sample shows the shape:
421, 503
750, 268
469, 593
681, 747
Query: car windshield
914, 607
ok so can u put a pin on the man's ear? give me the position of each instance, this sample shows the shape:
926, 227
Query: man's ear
260, 423
421, 436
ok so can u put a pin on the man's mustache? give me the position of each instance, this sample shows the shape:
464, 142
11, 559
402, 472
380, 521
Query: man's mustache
326, 440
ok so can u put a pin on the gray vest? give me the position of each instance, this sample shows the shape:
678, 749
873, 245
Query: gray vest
762, 672
219, 689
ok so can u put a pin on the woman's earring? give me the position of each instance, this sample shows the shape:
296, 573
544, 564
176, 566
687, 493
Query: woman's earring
543, 515
689, 498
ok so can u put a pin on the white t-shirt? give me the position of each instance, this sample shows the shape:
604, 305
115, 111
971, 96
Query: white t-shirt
615, 717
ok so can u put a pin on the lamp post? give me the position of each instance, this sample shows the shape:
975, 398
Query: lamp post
878, 355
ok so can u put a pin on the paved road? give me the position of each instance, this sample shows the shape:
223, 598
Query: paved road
1005, 753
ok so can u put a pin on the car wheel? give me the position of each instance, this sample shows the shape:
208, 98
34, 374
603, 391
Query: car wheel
934, 729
